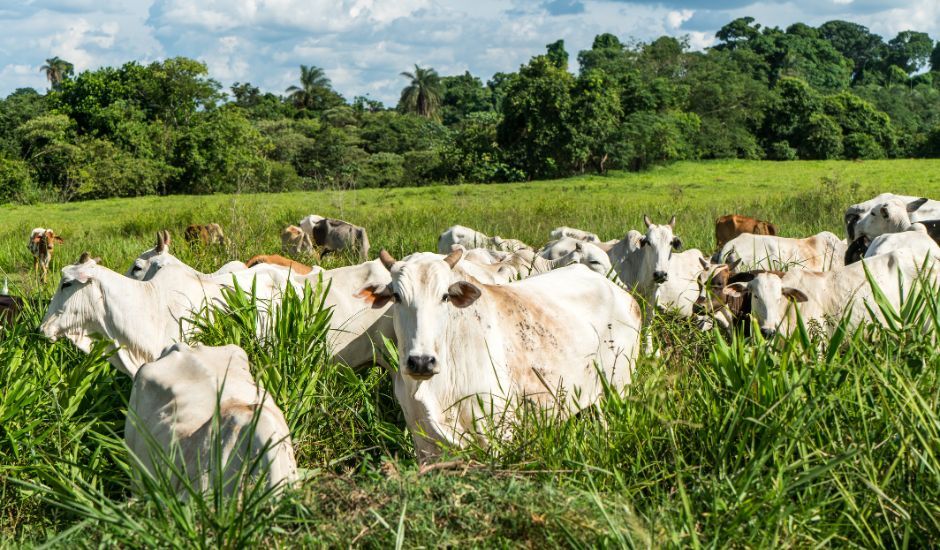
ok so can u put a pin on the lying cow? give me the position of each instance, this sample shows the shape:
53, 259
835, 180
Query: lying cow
892, 216
296, 241
578, 234
471, 238
915, 238
150, 261
470, 352
337, 235
820, 252
195, 401
208, 234
920, 209
826, 297
41, 244
732, 225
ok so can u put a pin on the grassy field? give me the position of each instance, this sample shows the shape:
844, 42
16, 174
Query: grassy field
719, 442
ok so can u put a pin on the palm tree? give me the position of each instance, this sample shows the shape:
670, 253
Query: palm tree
57, 70
423, 95
314, 86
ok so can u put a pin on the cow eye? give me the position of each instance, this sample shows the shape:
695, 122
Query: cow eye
396, 296
445, 298
66, 284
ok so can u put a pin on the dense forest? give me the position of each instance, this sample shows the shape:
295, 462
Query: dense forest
833, 91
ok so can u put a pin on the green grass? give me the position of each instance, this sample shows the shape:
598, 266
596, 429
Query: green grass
719, 442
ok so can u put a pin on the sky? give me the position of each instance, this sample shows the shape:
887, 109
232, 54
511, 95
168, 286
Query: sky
363, 45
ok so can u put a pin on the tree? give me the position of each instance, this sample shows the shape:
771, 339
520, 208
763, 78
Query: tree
423, 95
737, 33
557, 54
864, 49
935, 58
315, 92
909, 50
464, 94
57, 70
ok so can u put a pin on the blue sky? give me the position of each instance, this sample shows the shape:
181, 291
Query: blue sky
364, 44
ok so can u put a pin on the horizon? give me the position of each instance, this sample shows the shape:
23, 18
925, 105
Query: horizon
363, 45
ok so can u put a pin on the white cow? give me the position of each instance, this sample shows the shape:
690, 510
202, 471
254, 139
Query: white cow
921, 209
822, 251
197, 408
471, 238
914, 238
579, 234
642, 261
592, 255
892, 216
469, 352
150, 261
825, 297
528, 263
681, 289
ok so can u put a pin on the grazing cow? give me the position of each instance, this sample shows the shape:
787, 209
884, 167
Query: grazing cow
820, 252
581, 235
295, 241
196, 401
470, 353
150, 261
826, 297
336, 235
274, 259
41, 244
642, 261
920, 209
141, 318
207, 235
306, 224
732, 225
915, 239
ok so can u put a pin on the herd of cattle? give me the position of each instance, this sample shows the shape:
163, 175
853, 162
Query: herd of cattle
482, 325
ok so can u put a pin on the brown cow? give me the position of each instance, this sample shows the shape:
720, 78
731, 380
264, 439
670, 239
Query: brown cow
335, 235
41, 242
295, 240
732, 225
206, 234
274, 259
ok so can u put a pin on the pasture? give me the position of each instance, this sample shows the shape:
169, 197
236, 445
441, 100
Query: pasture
720, 441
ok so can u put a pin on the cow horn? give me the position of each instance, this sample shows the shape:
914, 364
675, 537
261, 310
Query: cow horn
453, 258
159, 244
647, 220
672, 221
387, 260
84, 257
166, 237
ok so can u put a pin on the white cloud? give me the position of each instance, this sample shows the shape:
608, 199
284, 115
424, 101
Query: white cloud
675, 19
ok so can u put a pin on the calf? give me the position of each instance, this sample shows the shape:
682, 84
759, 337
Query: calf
732, 225
820, 252
192, 402
209, 234
296, 241
41, 244
336, 235
471, 353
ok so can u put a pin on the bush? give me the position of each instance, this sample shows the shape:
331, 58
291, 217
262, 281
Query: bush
862, 146
422, 167
382, 170
16, 181
781, 150
824, 139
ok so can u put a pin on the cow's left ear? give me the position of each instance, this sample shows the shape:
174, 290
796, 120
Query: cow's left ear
59, 239
462, 293
884, 212
914, 205
377, 294
676, 243
794, 294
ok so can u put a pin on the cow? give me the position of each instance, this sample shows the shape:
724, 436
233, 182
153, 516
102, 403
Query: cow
680, 291
41, 244
141, 318
150, 261
915, 238
826, 297
579, 252
207, 235
820, 252
508, 245
274, 259
296, 241
730, 226
471, 353
579, 234
194, 402
920, 209
642, 261
471, 238
337, 235
892, 216
306, 224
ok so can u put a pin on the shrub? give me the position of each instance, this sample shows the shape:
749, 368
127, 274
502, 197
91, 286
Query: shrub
382, 170
781, 150
421, 167
15, 180
862, 146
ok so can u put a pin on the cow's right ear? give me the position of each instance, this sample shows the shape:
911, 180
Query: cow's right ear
705, 265
377, 295
916, 204
463, 294
735, 290
794, 294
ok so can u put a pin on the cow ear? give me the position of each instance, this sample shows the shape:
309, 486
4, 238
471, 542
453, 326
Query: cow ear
643, 241
884, 212
704, 264
795, 294
916, 204
676, 243
647, 220
59, 239
462, 294
735, 290
734, 265
672, 221
376, 294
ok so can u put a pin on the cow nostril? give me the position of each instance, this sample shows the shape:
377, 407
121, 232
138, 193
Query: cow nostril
767, 333
660, 276
421, 364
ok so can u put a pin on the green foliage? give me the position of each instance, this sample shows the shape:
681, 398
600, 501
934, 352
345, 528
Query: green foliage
423, 94
781, 150
463, 95
16, 181
382, 170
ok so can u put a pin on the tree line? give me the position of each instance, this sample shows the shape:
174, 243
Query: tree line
827, 92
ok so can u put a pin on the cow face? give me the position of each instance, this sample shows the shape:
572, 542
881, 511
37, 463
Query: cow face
425, 290
888, 217
596, 259
659, 242
73, 312
149, 262
770, 300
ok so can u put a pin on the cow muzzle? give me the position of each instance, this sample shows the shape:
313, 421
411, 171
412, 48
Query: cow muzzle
768, 333
422, 367
660, 277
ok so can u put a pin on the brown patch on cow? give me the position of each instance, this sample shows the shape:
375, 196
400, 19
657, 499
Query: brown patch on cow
274, 259
730, 226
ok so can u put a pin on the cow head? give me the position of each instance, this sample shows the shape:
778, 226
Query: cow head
892, 216
74, 311
149, 262
770, 300
659, 242
426, 290
596, 259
